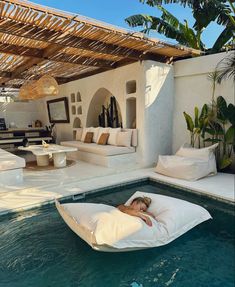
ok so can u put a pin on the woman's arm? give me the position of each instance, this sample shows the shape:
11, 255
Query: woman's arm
132, 212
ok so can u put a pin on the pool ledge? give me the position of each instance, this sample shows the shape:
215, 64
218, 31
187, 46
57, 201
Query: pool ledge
220, 187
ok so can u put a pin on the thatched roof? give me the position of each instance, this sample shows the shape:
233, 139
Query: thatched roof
36, 40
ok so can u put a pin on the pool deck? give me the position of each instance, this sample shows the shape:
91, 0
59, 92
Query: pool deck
41, 187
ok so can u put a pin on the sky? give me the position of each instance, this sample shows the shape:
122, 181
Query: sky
115, 12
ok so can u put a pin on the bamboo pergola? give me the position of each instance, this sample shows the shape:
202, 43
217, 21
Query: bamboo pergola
37, 40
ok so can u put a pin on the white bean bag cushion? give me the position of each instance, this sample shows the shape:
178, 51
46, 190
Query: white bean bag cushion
206, 154
188, 163
105, 228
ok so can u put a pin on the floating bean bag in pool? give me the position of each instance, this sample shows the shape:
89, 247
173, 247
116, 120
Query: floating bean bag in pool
105, 228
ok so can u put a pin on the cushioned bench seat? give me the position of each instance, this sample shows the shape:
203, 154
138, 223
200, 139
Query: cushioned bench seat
105, 150
10, 161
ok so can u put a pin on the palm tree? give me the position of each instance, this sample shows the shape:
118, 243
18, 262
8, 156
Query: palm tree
204, 12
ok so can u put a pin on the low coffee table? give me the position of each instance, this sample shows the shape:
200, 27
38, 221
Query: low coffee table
58, 153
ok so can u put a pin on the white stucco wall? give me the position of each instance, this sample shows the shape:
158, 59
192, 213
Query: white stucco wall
154, 104
192, 88
20, 113
156, 129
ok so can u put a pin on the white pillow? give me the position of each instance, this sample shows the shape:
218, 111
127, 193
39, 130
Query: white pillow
112, 140
202, 153
79, 134
95, 132
106, 228
185, 167
102, 131
84, 132
124, 138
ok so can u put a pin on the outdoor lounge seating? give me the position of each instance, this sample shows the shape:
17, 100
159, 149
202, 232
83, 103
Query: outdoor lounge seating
109, 155
188, 163
10, 167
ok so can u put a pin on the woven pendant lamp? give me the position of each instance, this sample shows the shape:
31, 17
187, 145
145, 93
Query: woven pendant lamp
28, 91
47, 86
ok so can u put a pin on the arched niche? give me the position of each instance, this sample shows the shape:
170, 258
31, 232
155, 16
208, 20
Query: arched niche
79, 98
101, 97
131, 113
76, 123
79, 110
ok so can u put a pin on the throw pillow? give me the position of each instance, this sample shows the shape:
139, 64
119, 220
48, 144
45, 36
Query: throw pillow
102, 131
124, 139
113, 136
84, 131
79, 134
96, 133
103, 139
88, 137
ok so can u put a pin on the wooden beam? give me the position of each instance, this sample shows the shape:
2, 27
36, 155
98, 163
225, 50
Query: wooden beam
8, 76
67, 40
60, 57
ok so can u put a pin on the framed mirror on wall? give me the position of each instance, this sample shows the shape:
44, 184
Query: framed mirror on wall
58, 110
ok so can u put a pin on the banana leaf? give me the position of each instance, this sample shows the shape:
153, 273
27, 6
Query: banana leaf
212, 140
222, 110
225, 162
231, 114
189, 122
230, 135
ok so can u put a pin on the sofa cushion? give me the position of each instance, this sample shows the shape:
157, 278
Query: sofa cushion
10, 161
113, 135
96, 133
79, 134
103, 139
124, 138
84, 132
102, 131
88, 137
106, 150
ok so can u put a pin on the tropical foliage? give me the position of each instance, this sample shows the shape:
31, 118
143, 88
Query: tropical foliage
226, 68
204, 12
216, 124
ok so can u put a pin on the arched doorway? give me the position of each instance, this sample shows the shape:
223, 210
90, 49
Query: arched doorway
101, 98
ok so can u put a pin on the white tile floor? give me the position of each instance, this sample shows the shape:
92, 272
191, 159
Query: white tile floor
40, 187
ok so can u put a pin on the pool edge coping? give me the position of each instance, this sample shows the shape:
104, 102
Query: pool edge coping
123, 183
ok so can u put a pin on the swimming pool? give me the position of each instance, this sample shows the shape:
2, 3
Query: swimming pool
38, 249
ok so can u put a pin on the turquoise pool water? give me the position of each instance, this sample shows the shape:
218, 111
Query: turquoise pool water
37, 249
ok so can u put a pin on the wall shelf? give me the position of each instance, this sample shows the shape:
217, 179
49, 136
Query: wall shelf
131, 87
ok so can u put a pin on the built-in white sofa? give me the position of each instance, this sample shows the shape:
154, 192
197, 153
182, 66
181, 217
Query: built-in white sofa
11, 168
105, 155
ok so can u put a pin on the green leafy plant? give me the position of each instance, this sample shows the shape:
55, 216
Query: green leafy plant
197, 127
216, 124
222, 131
204, 13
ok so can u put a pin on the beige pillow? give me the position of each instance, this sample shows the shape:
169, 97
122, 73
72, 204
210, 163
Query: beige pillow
88, 137
124, 139
113, 136
103, 139
84, 131
79, 134
102, 131
96, 133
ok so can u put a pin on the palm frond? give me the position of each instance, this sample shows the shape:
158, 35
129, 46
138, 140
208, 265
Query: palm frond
225, 36
226, 68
